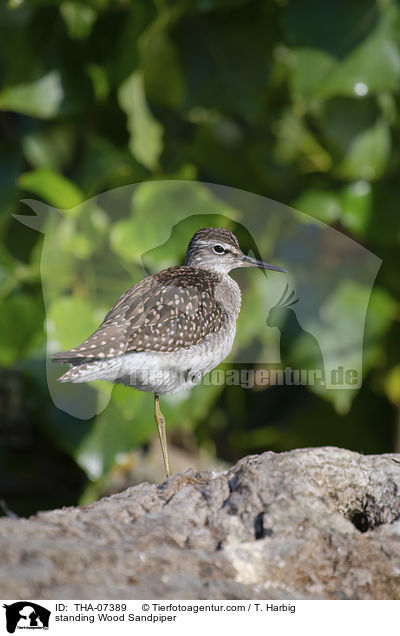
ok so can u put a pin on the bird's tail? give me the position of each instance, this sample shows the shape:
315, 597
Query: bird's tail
64, 356
68, 357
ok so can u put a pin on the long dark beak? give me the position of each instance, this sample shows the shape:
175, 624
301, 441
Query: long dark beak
254, 262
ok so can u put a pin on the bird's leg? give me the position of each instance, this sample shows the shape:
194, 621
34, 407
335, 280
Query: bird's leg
160, 421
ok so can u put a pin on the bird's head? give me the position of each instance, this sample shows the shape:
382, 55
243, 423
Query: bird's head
217, 250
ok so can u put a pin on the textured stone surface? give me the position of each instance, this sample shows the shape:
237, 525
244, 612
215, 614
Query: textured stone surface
311, 523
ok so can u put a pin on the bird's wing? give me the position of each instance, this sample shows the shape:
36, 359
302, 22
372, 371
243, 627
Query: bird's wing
171, 310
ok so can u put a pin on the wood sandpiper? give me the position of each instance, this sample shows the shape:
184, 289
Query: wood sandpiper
166, 332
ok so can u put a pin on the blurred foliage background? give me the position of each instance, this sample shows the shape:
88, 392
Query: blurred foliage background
296, 100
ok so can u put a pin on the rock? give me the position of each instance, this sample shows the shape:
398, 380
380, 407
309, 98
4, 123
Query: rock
316, 523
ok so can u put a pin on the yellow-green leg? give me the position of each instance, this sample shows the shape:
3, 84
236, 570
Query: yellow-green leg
160, 421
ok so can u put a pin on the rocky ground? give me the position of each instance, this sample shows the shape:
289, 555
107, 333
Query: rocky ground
318, 523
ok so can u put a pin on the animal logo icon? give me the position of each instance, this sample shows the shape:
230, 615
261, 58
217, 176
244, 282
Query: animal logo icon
25, 615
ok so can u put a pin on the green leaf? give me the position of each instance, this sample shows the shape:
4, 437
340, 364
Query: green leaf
382, 310
367, 155
163, 75
79, 19
345, 336
373, 66
11, 163
51, 148
342, 119
70, 320
323, 205
335, 27
296, 143
356, 204
169, 204
305, 85
384, 223
41, 98
104, 166
228, 58
51, 186
145, 131
20, 323
101, 85
392, 385
126, 422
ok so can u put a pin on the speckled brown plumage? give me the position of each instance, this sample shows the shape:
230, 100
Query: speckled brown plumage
171, 310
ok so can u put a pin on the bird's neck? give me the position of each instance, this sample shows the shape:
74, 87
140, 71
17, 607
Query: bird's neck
227, 293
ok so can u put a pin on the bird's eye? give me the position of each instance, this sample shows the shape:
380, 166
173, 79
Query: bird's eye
218, 249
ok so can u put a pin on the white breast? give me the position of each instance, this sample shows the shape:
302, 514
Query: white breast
172, 372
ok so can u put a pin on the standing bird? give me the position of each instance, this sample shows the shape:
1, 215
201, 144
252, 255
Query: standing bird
166, 332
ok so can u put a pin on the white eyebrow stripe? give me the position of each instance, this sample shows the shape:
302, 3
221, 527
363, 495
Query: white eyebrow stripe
224, 245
